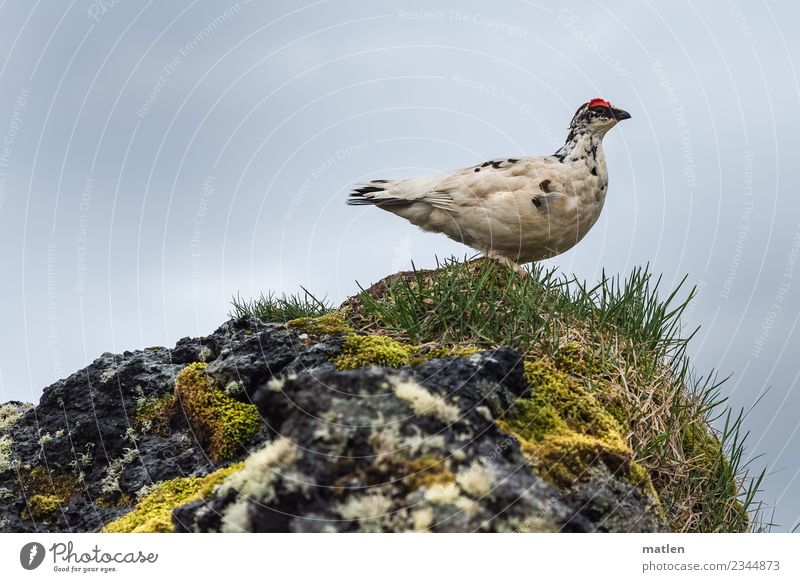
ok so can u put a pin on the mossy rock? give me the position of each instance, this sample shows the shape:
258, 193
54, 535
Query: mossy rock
426, 471
43, 508
154, 415
359, 351
559, 405
328, 324
430, 352
153, 514
419, 472
221, 424
46, 492
565, 430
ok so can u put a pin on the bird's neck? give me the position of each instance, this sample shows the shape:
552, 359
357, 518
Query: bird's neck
581, 145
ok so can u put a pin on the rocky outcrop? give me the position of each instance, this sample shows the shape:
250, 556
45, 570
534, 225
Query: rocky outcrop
273, 427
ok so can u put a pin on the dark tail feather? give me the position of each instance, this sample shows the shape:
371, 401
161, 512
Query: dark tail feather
368, 190
360, 196
358, 200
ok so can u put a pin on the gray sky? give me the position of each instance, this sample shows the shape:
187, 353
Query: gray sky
157, 158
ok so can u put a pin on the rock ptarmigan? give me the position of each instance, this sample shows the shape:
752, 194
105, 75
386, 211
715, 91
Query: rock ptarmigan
514, 210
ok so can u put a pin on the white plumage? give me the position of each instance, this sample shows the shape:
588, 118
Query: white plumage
516, 210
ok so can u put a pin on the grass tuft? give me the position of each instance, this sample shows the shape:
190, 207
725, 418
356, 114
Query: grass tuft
279, 309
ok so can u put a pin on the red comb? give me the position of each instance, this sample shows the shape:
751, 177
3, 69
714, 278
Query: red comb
599, 103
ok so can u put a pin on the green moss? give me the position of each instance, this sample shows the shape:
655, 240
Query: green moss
220, 423
359, 351
328, 324
565, 430
153, 514
700, 446
705, 456
153, 416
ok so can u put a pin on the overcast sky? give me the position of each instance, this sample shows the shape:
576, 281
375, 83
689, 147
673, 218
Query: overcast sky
157, 158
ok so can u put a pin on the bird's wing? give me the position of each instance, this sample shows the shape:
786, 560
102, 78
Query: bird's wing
539, 176
465, 187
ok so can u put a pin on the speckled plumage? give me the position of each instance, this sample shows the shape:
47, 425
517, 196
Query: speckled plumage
515, 209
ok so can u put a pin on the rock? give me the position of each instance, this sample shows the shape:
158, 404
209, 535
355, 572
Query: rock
417, 448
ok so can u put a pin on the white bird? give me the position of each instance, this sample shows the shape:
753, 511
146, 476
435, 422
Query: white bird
514, 210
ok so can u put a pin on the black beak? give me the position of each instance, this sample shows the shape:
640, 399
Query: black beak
619, 114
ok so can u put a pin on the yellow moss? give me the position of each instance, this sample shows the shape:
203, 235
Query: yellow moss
425, 471
46, 492
565, 430
359, 351
564, 459
121, 500
328, 324
153, 514
43, 508
210, 481
616, 409
220, 423
444, 352
574, 359
558, 404
419, 472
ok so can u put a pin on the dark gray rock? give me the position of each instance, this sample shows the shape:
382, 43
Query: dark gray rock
348, 447
254, 352
83, 425
612, 504
373, 449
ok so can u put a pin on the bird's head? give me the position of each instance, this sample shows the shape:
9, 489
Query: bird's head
597, 116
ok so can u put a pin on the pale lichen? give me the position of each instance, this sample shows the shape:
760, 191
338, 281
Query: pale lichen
204, 354
364, 508
476, 480
5, 453
421, 519
423, 402
10, 414
442, 493
259, 470
109, 484
257, 480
